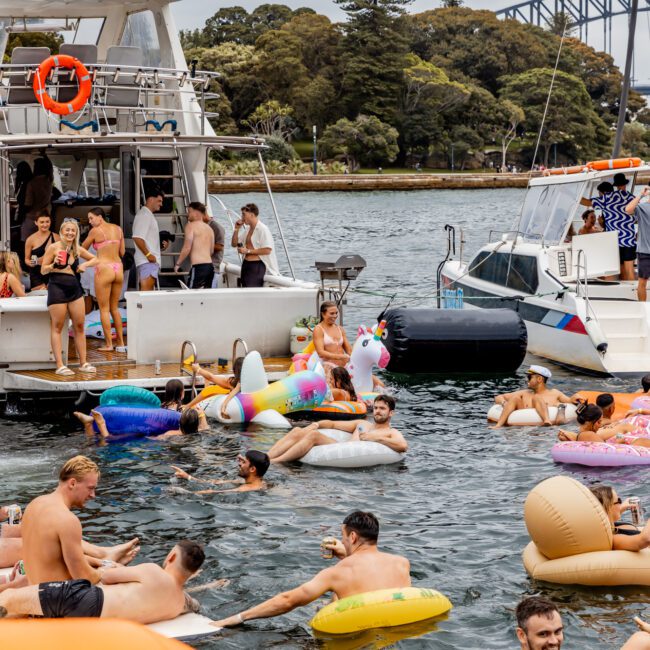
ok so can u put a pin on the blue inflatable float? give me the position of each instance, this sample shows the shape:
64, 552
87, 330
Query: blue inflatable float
133, 396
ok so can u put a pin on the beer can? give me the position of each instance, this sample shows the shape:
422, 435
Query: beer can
636, 511
15, 514
327, 553
157, 367
21, 568
34, 259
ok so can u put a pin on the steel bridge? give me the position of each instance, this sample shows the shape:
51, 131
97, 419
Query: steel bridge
580, 12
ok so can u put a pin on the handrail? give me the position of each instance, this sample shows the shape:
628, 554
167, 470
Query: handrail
451, 250
185, 370
234, 349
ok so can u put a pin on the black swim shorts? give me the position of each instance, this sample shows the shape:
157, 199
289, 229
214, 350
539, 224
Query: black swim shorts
70, 598
202, 276
627, 253
644, 265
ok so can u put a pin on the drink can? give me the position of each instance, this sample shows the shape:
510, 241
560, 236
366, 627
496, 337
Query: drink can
636, 511
15, 514
327, 553
34, 259
157, 367
21, 568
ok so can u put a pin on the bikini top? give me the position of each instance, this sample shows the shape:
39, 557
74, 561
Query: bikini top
39, 251
100, 244
328, 340
5, 289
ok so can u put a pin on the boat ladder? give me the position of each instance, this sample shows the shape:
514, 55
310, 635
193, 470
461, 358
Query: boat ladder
184, 364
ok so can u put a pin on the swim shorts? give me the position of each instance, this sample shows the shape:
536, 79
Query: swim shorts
252, 273
70, 598
201, 276
644, 265
148, 270
627, 253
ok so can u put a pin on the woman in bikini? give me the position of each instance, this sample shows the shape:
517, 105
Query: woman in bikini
10, 285
341, 385
64, 293
330, 340
108, 240
35, 246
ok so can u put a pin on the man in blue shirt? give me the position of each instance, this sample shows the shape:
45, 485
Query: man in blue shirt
641, 213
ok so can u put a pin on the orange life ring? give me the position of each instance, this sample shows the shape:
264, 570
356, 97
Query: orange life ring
559, 171
614, 163
83, 78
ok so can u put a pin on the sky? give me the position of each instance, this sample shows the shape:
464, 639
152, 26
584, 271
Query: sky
191, 14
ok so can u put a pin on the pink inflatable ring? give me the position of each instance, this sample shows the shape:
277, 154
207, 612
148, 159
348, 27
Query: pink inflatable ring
600, 454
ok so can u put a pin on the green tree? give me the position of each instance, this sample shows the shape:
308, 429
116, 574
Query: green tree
366, 140
560, 24
269, 16
272, 119
319, 43
32, 39
636, 140
452, 3
228, 25
571, 120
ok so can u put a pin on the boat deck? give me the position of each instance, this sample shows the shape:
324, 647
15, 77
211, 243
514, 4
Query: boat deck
114, 368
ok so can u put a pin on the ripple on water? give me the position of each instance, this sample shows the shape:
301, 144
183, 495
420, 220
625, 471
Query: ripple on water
454, 507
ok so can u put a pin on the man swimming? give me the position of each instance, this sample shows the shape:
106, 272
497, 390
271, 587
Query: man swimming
299, 441
145, 593
536, 396
362, 567
52, 545
252, 467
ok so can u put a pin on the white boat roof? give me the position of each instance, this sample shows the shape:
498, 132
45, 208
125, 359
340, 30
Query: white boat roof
586, 176
72, 8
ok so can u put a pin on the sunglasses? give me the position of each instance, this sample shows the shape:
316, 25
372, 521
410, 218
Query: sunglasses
70, 220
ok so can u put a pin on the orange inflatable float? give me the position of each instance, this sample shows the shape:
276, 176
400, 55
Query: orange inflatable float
99, 633
83, 78
622, 401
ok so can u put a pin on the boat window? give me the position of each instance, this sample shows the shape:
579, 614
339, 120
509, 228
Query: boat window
517, 272
567, 197
4, 36
88, 31
528, 211
112, 176
140, 31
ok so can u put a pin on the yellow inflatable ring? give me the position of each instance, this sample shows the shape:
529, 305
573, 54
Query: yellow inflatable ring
211, 390
382, 608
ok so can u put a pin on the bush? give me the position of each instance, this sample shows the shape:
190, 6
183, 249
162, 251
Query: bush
278, 149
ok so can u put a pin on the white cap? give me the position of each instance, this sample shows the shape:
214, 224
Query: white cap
539, 370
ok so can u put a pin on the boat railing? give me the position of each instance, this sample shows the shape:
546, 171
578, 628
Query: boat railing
517, 233
451, 251
141, 96
582, 282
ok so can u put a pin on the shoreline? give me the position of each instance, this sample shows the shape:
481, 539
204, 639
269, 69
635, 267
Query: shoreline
372, 182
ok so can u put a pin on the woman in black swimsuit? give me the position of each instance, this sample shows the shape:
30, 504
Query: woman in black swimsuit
64, 292
35, 246
626, 537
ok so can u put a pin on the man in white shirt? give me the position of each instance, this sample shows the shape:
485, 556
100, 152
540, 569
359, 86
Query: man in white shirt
254, 241
147, 241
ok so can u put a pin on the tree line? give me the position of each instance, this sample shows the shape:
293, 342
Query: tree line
389, 86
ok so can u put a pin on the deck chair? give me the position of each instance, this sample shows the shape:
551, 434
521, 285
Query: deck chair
87, 54
123, 92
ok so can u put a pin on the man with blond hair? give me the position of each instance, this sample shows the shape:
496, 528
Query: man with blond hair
53, 548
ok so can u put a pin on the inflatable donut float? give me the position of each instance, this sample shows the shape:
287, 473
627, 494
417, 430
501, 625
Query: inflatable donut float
530, 417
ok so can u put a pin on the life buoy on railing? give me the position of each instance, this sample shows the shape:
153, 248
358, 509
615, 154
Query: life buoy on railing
614, 163
83, 78
559, 171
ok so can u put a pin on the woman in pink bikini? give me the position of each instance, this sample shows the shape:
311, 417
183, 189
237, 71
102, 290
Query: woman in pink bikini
330, 340
108, 240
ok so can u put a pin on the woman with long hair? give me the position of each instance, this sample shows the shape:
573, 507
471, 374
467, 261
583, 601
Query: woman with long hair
64, 293
330, 340
35, 246
174, 393
10, 284
108, 240
341, 385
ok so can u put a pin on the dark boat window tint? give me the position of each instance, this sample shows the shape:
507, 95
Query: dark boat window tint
520, 270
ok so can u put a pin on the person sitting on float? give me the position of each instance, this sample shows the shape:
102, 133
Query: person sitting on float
10, 284
341, 386
537, 396
590, 419
645, 386
608, 405
188, 424
626, 537
330, 340
232, 383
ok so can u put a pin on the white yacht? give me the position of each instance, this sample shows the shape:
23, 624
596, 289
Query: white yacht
145, 121
554, 280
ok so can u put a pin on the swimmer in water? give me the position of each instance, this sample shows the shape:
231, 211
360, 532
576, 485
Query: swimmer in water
252, 467
362, 567
537, 396
189, 423
232, 384
300, 441
539, 624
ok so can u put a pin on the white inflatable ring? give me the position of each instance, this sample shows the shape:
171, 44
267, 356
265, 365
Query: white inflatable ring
359, 453
529, 417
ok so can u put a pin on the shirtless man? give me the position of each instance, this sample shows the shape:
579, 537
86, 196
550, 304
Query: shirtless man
145, 593
252, 467
536, 396
299, 441
52, 545
363, 567
199, 245
11, 546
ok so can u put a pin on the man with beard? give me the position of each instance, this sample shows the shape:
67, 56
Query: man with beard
299, 441
362, 567
252, 467
539, 624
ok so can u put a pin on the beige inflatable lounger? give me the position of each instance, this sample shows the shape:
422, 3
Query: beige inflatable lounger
184, 628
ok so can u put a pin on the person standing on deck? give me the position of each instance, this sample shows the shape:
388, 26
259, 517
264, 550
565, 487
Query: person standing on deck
255, 243
219, 245
199, 245
147, 240
641, 213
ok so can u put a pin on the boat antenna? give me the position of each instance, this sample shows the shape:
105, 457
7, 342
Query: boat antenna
625, 91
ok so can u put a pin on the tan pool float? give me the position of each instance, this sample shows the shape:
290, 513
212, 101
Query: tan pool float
572, 539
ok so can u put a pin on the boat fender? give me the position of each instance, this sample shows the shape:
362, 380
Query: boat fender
596, 335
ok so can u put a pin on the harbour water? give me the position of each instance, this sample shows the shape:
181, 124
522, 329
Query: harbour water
454, 507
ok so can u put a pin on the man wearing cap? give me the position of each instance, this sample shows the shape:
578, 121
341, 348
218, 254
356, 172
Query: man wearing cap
252, 467
612, 202
537, 396
641, 213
